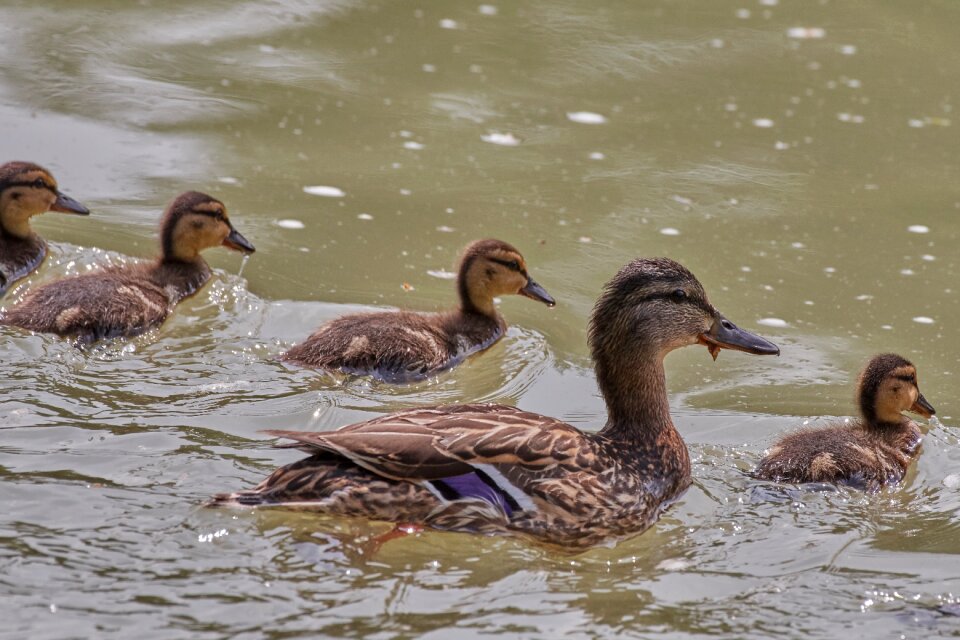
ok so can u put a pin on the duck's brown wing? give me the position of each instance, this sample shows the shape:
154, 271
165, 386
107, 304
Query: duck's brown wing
441, 442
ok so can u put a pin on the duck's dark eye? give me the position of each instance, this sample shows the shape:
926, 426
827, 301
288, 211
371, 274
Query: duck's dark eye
39, 183
679, 295
513, 264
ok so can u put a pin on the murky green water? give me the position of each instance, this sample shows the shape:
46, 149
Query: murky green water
780, 150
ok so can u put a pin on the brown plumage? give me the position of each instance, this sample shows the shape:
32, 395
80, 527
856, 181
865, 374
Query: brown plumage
869, 453
26, 190
404, 346
127, 300
498, 469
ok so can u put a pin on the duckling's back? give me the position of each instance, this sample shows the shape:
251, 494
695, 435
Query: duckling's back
397, 346
123, 301
845, 454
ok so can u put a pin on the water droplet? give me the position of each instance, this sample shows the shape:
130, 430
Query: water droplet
289, 223
763, 123
918, 228
670, 231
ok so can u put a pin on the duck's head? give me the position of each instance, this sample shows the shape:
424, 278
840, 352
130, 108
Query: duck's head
195, 221
26, 190
887, 386
655, 305
491, 268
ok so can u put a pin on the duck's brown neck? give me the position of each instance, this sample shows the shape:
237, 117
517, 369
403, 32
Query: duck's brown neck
172, 252
634, 387
14, 223
473, 302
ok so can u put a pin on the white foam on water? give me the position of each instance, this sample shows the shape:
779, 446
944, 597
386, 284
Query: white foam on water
773, 322
324, 191
502, 139
806, 33
586, 117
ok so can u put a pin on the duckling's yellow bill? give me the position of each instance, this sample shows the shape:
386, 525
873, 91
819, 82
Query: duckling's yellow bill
66, 204
726, 335
923, 408
534, 291
237, 242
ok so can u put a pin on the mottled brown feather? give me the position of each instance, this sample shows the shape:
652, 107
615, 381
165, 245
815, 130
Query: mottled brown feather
572, 488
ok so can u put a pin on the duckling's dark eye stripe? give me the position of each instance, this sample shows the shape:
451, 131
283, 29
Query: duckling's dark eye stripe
513, 265
213, 214
25, 183
906, 378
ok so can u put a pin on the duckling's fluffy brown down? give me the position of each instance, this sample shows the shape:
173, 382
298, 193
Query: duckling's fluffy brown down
404, 346
397, 346
845, 454
114, 302
26, 190
872, 451
127, 300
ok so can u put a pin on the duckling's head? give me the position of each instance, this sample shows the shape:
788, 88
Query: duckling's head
888, 386
26, 190
655, 305
491, 268
195, 221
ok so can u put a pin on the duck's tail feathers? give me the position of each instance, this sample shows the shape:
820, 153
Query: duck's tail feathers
238, 500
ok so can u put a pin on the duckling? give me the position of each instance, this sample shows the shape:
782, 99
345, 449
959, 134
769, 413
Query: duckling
869, 453
497, 469
26, 190
405, 346
127, 300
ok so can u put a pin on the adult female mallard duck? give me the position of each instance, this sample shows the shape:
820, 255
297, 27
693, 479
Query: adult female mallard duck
26, 190
868, 453
127, 300
497, 469
404, 346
